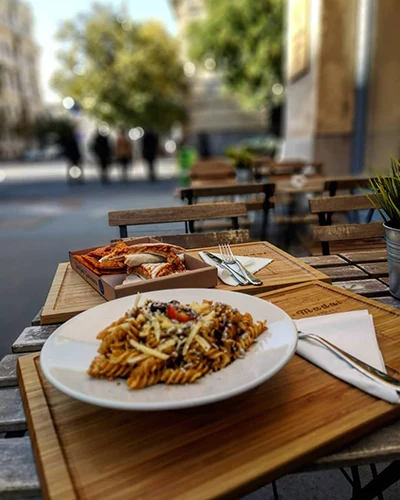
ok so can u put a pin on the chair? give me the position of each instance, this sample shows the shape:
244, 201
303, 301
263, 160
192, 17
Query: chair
192, 194
187, 214
335, 184
261, 167
365, 235
206, 171
201, 240
287, 168
294, 167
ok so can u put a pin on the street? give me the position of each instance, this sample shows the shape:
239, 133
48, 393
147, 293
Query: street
22, 173
42, 217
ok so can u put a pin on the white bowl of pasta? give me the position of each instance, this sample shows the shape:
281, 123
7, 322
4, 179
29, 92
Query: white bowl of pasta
169, 349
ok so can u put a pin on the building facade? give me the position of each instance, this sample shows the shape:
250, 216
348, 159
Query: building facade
342, 99
20, 97
214, 118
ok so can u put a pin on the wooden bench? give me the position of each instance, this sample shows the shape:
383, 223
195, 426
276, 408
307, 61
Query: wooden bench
285, 168
208, 170
346, 183
192, 194
200, 240
366, 235
187, 214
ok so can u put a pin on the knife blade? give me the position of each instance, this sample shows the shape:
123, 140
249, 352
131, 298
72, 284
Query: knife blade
238, 277
247, 274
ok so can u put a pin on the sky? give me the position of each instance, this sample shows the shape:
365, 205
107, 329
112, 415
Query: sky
49, 13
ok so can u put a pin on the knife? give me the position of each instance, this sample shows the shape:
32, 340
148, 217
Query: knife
364, 368
247, 274
238, 277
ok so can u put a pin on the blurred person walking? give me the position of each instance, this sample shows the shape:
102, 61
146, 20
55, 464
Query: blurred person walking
149, 151
123, 152
102, 149
71, 151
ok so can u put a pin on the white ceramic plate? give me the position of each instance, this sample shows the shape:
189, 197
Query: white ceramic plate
69, 351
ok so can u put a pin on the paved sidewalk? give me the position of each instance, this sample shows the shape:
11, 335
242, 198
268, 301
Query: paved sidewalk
22, 173
40, 223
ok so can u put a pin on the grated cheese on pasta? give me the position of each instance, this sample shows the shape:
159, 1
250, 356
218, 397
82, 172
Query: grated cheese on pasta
173, 343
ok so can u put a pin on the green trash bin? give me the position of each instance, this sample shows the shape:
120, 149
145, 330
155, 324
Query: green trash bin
186, 157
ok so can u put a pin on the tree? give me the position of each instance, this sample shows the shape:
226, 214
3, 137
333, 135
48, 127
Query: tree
245, 38
122, 72
51, 129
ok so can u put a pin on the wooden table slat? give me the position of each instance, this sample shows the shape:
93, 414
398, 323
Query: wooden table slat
366, 287
36, 319
33, 338
342, 273
18, 476
365, 256
375, 269
389, 301
385, 280
323, 261
12, 416
8, 370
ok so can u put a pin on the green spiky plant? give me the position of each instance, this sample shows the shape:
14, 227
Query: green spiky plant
241, 157
387, 191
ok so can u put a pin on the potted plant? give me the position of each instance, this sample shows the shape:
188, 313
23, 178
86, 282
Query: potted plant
243, 161
387, 191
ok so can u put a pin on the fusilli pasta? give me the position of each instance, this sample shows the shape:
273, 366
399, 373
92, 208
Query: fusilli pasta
173, 343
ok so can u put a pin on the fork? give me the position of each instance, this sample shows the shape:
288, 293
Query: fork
228, 261
364, 368
228, 257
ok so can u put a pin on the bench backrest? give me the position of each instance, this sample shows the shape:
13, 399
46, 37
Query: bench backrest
188, 213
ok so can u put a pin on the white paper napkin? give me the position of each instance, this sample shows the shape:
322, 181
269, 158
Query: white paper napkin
252, 264
354, 333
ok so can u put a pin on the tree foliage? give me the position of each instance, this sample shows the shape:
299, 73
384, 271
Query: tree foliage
122, 72
51, 129
245, 38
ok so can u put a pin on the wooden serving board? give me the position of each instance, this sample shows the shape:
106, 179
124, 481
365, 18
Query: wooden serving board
70, 294
221, 450
285, 269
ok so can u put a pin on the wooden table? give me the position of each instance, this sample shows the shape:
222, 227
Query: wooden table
230, 181
284, 184
365, 273
362, 272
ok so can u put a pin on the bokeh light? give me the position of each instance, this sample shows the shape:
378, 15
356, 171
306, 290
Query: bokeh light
104, 129
170, 146
2, 176
68, 102
75, 172
277, 89
136, 133
210, 64
189, 69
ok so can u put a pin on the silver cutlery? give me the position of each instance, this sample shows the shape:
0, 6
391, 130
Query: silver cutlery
364, 368
229, 258
237, 276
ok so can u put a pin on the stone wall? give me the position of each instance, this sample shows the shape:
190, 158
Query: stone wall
320, 103
384, 95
